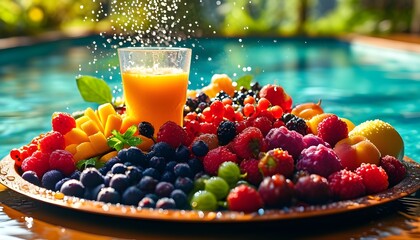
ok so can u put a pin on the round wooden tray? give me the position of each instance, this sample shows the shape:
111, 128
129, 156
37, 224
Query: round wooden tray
11, 179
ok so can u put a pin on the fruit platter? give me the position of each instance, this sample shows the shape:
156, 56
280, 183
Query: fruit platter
244, 153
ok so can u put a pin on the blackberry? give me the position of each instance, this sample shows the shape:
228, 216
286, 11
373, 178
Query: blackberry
133, 155
192, 104
203, 98
146, 129
256, 87
287, 117
297, 124
226, 131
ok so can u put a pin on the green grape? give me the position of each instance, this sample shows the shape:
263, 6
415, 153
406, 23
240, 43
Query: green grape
230, 172
218, 186
204, 200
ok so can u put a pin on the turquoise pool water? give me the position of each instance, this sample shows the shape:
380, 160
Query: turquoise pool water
355, 81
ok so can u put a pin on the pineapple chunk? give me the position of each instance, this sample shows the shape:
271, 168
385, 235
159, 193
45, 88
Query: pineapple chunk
99, 143
114, 121
75, 136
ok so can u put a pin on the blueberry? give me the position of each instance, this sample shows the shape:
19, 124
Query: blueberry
157, 163
134, 174
152, 173
180, 198
166, 203
91, 177
107, 178
132, 196
199, 148
152, 196
163, 149
119, 182
60, 183
182, 153
182, 170
168, 177
108, 165
133, 155
164, 189
51, 178
196, 165
102, 170
31, 177
108, 195
128, 164
147, 184
92, 193
170, 166
147, 202
146, 129
118, 168
184, 183
75, 175
73, 187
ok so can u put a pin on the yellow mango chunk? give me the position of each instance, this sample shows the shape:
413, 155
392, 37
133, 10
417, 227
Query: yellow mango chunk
89, 112
81, 120
114, 121
146, 144
105, 158
104, 111
128, 122
84, 151
72, 148
99, 143
90, 127
75, 136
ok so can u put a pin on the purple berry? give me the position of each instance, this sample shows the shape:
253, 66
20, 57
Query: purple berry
319, 160
313, 189
290, 141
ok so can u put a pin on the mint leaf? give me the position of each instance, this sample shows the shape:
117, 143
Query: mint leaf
119, 141
130, 131
244, 81
82, 164
94, 89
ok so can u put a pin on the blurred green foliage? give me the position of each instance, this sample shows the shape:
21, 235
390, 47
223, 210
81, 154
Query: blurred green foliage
218, 17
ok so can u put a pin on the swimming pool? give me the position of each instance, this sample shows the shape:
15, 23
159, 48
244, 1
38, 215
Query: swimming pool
355, 81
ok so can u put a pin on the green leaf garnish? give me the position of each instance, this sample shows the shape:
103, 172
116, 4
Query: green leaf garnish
119, 141
91, 162
94, 89
244, 81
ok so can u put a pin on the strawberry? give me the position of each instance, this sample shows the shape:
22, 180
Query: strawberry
276, 161
63, 161
244, 198
37, 162
249, 167
332, 129
248, 143
172, 134
51, 141
277, 96
62, 122
216, 157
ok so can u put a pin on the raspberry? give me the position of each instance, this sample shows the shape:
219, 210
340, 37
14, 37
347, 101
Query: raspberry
248, 143
244, 198
345, 184
319, 160
62, 122
250, 168
226, 132
276, 161
206, 127
63, 161
313, 189
374, 178
290, 141
37, 162
216, 157
332, 129
210, 139
394, 169
172, 134
51, 141
263, 123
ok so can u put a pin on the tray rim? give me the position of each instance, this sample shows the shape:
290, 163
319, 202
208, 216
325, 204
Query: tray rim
10, 178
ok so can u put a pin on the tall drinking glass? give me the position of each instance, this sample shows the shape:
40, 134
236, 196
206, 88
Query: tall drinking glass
155, 83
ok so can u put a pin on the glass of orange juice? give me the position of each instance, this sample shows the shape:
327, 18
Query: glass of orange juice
155, 83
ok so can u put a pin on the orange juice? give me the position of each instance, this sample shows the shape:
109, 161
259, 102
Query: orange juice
155, 97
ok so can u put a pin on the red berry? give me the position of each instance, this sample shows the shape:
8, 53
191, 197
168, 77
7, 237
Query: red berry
374, 178
248, 109
172, 134
276, 111
278, 123
15, 155
229, 112
206, 127
244, 198
276, 190
240, 126
249, 167
263, 104
51, 141
37, 162
319, 160
346, 184
210, 139
249, 99
216, 157
312, 189
394, 169
276, 161
217, 108
263, 123
62, 161
248, 143
332, 129
277, 96
62, 122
